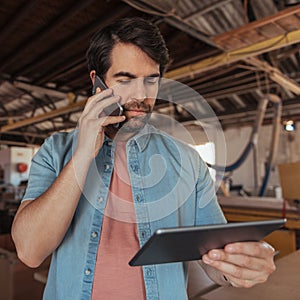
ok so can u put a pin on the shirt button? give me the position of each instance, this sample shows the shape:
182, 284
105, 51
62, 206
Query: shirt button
149, 272
138, 198
106, 167
109, 143
143, 234
94, 234
134, 168
87, 272
100, 199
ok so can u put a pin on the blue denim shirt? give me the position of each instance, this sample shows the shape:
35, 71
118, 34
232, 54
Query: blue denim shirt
171, 186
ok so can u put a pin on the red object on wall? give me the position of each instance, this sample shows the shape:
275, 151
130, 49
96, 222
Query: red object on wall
22, 167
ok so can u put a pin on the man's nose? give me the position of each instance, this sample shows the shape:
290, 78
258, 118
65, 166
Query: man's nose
140, 92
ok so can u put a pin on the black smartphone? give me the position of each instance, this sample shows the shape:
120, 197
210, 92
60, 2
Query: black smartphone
113, 110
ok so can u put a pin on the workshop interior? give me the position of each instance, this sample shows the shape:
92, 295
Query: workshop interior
240, 57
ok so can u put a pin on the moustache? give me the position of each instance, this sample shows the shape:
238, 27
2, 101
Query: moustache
137, 105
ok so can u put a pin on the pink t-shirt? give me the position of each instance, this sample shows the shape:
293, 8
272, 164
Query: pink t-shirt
114, 278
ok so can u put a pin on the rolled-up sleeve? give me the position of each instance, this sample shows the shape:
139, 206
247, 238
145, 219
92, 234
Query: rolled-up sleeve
42, 172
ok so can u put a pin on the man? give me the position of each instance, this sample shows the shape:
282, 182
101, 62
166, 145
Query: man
95, 195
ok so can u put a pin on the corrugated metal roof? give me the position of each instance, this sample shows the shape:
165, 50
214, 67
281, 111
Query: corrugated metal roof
45, 45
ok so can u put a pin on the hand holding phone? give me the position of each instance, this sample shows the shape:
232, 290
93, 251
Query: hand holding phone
114, 109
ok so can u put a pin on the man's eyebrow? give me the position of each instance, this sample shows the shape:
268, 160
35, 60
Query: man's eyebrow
154, 75
129, 75
124, 74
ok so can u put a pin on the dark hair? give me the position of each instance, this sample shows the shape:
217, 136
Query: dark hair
136, 31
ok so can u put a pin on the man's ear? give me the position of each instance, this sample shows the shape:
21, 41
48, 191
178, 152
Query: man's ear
93, 75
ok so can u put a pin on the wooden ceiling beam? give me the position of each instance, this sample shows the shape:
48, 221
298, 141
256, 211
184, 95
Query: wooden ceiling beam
259, 46
73, 107
230, 57
256, 25
46, 31
21, 13
38, 89
51, 54
275, 74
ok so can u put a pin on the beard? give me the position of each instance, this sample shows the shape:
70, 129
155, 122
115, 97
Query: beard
132, 124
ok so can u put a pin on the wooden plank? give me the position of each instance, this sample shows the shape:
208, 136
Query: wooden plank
245, 214
243, 40
252, 36
73, 107
235, 55
289, 23
232, 43
271, 30
256, 24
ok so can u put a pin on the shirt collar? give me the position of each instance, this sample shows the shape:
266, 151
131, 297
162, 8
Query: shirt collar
142, 138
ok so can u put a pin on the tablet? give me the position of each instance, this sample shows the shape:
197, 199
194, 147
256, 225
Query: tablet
179, 244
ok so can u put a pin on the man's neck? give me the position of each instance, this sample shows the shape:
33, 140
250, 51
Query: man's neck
119, 135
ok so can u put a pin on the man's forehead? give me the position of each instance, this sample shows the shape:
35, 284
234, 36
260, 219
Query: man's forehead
128, 59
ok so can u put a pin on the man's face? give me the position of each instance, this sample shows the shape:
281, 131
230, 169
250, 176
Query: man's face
134, 76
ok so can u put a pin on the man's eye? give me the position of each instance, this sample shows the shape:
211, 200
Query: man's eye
151, 80
125, 82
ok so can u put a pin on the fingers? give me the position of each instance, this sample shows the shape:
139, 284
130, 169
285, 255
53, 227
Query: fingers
238, 265
256, 249
108, 120
97, 103
244, 264
92, 122
100, 95
96, 124
239, 275
220, 258
242, 283
247, 254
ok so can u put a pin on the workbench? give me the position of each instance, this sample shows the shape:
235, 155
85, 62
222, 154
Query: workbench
258, 208
243, 209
